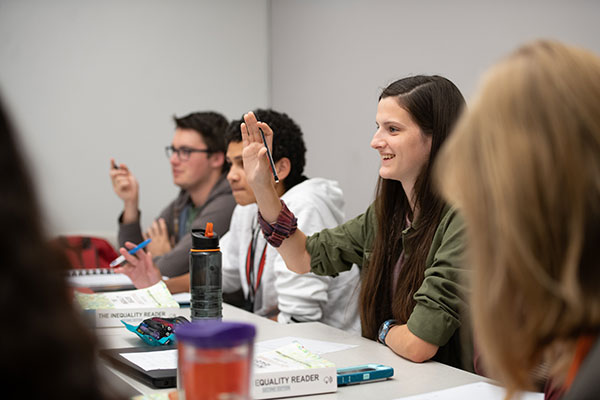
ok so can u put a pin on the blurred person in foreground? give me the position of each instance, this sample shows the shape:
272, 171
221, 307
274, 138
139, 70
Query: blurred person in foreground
523, 167
47, 351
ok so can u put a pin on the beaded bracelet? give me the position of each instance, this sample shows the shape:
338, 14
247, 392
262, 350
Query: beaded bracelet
283, 228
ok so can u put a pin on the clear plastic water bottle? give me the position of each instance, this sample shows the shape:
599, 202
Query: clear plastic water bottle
205, 275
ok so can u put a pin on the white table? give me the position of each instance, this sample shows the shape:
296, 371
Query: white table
409, 378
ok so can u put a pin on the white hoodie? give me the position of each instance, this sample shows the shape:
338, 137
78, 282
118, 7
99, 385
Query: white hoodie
317, 204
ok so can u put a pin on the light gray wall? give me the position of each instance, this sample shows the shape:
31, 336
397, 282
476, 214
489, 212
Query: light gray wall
330, 60
86, 80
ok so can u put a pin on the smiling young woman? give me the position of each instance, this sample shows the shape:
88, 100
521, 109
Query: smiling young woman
409, 242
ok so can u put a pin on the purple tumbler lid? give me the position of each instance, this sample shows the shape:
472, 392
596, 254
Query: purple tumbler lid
215, 334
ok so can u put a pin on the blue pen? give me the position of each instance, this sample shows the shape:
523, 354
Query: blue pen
120, 259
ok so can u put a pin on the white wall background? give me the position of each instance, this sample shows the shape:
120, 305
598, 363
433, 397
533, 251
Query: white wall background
87, 80
332, 58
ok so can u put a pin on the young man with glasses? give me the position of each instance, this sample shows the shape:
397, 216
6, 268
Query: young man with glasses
197, 158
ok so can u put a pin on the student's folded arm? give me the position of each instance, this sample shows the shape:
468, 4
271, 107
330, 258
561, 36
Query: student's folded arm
408, 345
439, 300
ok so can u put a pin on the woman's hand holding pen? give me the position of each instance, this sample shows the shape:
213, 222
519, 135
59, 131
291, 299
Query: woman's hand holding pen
257, 165
139, 267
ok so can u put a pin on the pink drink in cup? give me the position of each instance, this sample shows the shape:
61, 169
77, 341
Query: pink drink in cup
215, 360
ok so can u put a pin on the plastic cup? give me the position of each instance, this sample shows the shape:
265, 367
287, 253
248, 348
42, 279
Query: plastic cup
214, 360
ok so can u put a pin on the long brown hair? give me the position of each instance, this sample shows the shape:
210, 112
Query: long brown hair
524, 168
434, 103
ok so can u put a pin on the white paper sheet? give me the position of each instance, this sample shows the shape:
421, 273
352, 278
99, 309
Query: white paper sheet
155, 296
479, 391
315, 346
152, 360
94, 281
168, 359
182, 298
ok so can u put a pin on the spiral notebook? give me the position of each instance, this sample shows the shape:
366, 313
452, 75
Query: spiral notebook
90, 271
99, 279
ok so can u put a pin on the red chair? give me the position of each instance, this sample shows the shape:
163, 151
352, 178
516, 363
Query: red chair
87, 252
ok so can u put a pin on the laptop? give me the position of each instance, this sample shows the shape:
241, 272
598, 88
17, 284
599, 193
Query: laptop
157, 378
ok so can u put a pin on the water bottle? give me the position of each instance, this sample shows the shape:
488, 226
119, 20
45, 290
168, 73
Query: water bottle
205, 275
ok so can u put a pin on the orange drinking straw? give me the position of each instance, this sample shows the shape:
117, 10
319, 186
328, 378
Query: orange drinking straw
208, 232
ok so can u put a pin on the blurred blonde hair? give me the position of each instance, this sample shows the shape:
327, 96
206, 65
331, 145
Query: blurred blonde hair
523, 165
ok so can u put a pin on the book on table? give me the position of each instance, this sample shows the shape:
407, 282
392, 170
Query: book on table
108, 309
292, 370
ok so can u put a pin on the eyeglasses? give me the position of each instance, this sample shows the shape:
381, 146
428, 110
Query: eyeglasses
183, 153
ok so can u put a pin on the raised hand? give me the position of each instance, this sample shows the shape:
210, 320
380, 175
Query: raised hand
139, 267
257, 167
124, 183
256, 163
126, 187
260, 178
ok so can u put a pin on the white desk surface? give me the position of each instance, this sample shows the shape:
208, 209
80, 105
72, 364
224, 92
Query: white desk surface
409, 378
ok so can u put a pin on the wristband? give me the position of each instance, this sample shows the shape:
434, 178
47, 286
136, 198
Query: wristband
384, 329
284, 227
